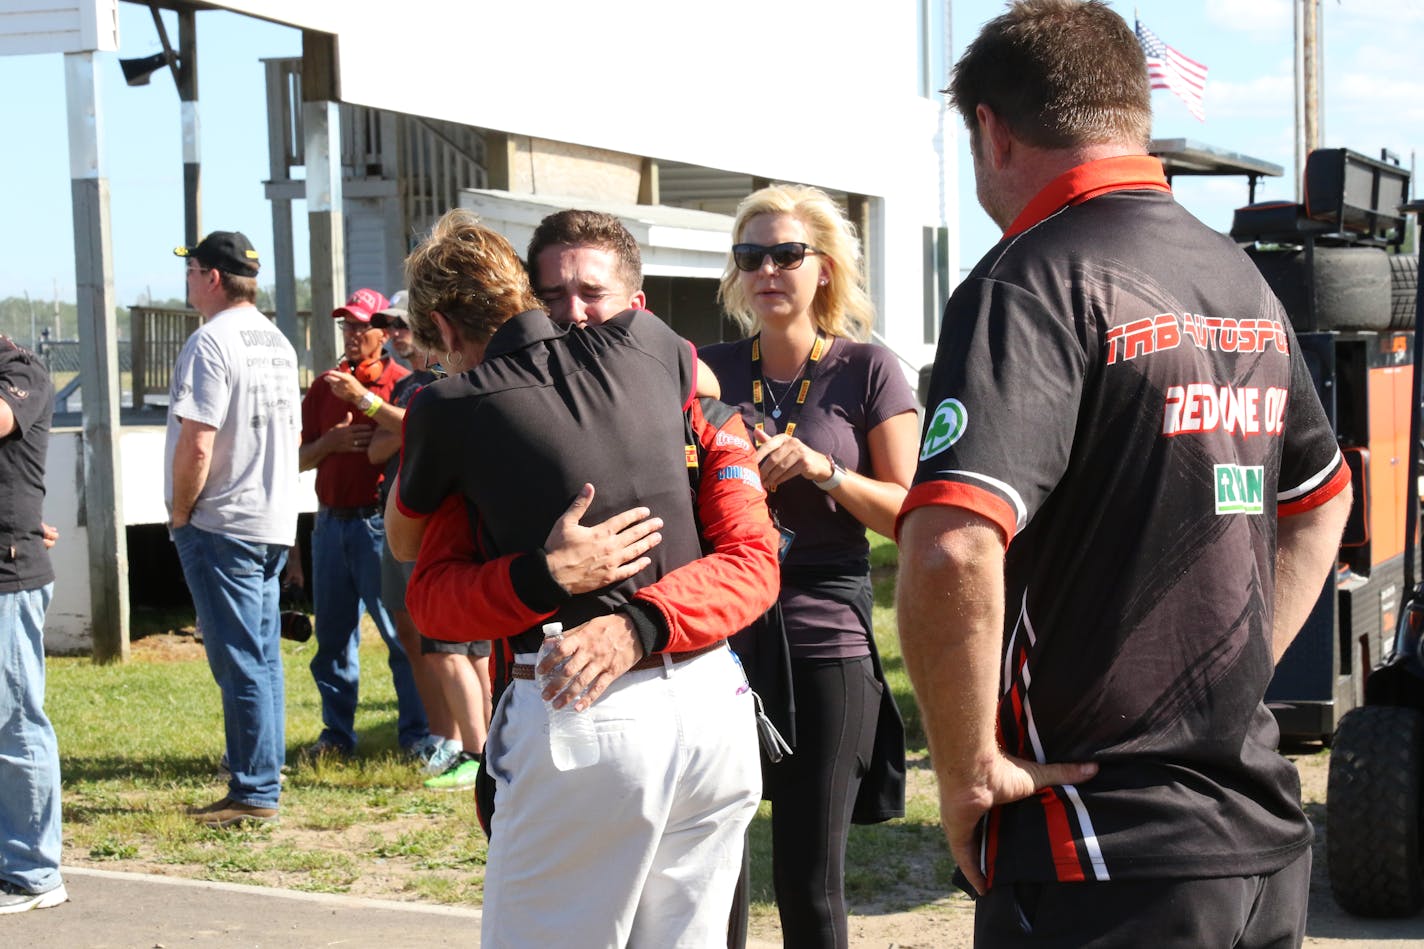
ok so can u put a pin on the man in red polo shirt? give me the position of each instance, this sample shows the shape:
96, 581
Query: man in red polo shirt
350, 529
1092, 591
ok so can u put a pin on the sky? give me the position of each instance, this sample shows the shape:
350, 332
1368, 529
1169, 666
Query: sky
1374, 98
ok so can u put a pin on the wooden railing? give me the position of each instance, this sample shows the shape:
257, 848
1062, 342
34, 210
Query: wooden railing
155, 337
157, 334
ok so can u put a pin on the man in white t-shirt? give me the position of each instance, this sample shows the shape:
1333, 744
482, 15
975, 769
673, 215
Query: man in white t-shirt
230, 484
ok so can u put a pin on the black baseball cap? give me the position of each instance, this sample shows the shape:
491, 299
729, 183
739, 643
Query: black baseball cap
228, 251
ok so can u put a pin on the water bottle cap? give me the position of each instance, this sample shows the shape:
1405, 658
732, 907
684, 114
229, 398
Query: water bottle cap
553, 629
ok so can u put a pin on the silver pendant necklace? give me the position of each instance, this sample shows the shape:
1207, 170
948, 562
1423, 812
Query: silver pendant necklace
775, 402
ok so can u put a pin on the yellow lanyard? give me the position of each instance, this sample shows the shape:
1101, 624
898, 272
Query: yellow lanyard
818, 349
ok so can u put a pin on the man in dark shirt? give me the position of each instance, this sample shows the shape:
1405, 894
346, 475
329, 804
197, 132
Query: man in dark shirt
29, 753
1128, 499
349, 532
656, 863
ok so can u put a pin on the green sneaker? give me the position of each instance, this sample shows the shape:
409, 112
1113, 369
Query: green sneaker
459, 776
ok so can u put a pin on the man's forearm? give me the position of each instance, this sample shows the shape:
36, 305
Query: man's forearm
1307, 545
950, 603
7, 419
403, 533
311, 454
192, 458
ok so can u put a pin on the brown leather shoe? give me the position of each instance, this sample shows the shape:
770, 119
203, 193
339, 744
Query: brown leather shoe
209, 808
227, 813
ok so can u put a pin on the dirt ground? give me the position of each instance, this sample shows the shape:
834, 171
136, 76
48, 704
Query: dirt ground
945, 923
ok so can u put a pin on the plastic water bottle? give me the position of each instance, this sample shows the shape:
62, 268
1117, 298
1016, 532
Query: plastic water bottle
573, 741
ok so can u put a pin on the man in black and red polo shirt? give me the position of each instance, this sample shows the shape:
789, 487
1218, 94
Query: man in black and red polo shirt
1128, 499
346, 542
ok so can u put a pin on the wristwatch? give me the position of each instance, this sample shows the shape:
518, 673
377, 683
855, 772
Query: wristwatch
369, 403
838, 474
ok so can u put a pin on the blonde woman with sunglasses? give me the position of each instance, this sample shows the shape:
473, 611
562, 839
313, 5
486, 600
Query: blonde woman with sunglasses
834, 422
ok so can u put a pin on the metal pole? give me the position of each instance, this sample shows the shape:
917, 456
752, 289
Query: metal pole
188, 103
101, 512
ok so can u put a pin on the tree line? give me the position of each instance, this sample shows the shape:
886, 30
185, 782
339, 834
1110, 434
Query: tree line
25, 319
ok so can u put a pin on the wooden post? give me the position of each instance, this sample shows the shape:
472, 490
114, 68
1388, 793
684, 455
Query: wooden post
649, 187
321, 123
138, 353
501, 152
279, 259
102, 499
393, 205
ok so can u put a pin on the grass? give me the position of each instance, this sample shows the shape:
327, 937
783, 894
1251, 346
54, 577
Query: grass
140, 742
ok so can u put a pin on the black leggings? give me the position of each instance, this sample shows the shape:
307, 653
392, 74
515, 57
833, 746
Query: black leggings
813, 791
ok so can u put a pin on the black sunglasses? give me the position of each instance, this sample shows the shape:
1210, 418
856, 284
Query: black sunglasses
787, 256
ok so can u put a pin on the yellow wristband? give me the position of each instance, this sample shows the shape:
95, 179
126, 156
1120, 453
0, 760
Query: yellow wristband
374, 403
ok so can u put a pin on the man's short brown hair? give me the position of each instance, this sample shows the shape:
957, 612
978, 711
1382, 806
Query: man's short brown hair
468, 273
238, 289
576, 228
1059, 74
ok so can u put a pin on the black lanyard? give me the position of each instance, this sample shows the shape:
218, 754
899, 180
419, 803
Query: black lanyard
818, 349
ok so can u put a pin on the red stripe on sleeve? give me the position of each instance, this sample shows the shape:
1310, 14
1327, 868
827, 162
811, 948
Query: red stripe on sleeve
958, 494
1338, 482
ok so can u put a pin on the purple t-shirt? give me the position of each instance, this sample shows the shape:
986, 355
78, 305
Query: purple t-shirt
854, 387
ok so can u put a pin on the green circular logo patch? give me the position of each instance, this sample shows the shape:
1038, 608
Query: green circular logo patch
946, 427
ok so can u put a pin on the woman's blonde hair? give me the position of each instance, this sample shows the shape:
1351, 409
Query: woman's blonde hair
470, 275
842, 307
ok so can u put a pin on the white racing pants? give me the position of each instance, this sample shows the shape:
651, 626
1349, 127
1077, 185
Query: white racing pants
641, 849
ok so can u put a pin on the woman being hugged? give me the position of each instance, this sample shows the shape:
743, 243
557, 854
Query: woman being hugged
835, 426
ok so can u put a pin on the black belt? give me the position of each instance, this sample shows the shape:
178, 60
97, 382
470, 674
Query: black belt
351, 513
525, 670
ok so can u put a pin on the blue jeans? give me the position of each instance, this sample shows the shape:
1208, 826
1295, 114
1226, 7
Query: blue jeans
346, 574
29, 753
234, 584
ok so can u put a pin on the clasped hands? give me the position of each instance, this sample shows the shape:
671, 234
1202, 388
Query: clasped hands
583, 559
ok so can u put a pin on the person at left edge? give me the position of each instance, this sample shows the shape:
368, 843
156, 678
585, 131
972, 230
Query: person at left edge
230, 483
349, 532
29, 752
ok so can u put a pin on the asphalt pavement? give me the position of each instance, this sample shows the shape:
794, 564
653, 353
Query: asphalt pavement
108, 909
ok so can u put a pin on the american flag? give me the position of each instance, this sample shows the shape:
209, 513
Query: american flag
1169, 69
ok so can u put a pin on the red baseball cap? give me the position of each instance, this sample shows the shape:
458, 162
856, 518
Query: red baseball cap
362, 304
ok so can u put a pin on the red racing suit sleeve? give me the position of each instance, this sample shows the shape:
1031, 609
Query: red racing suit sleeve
739, 577
455, 594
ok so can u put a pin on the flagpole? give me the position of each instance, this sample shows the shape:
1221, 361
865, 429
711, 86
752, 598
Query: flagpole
1312, 75
1298, 25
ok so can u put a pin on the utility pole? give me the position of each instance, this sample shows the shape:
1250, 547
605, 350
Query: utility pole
34, 330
